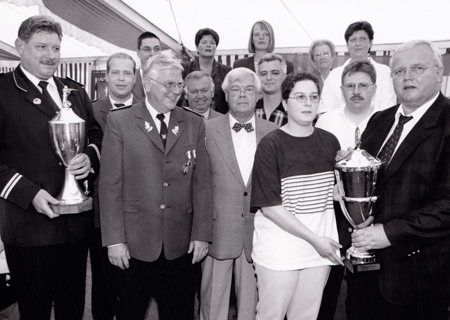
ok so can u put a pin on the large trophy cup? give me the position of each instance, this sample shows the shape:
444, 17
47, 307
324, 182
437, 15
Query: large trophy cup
357, 177
67, 132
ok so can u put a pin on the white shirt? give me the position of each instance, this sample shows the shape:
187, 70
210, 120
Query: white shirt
52, 89
154, 113
408, 126
244, 147
337, 123
332, 98
129, 102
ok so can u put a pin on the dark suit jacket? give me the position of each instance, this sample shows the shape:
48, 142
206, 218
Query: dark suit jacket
138, 89
414, 205
232, 220
102, 108
250, 64
145, 199
28, 162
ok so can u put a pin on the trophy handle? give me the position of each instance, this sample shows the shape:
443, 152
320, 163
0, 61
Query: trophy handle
341, 192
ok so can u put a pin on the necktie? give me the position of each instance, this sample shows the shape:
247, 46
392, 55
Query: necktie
388, 149
119, 105
163, 131
47, 96
238, 126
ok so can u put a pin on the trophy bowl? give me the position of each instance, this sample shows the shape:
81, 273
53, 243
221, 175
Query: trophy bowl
67, 134
358, 175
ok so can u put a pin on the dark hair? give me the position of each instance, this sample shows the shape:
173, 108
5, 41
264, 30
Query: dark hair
357, 26
294, 77
37, 24
120, 55
360, 66
145, 35
206, 32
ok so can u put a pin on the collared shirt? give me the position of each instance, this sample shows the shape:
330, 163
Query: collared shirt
129, 102
206, 114
337, 123
154, 113
332, 98
244, 147
52, 89
278, 116
407, 127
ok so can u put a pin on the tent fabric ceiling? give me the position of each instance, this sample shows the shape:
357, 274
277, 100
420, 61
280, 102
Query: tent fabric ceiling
98, 19
8, 52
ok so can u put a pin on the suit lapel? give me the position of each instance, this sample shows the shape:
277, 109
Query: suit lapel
415, 137
224, 143
175, 128
33, 95
145, 122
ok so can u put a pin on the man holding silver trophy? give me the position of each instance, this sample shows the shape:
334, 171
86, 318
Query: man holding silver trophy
411, 230
46, 248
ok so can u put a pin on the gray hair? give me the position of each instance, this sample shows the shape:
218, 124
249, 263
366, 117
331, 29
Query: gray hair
274, 57
37, 24
412, 44
159, 62
120, 55
321, 42
360, 66
239, 74
197, 75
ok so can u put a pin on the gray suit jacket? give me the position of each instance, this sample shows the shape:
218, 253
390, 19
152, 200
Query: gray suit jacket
232, 220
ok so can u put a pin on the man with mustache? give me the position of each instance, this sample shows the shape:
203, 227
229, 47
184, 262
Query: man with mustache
46, 252
358, 89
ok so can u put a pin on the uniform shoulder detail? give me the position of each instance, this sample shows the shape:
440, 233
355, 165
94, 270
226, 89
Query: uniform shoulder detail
121, 108
78, 83
194, 112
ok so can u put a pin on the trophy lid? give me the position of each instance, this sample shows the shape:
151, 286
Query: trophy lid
66, 114
358, 158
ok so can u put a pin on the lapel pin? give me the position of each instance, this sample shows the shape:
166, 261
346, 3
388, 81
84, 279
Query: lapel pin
148, 127
175, 130
37, 101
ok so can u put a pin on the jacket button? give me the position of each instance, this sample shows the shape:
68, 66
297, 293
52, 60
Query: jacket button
245, 193
162, 206
165, 184
350, 230
60, 163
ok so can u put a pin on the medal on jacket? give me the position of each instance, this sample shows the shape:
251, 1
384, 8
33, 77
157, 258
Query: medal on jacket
189, 163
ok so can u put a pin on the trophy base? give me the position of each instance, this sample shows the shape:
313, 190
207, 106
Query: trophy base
72, 208
357, 262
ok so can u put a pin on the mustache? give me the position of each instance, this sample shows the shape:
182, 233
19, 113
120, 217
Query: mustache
356, 97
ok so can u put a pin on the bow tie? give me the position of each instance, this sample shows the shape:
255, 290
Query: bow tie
119, 105
238, 126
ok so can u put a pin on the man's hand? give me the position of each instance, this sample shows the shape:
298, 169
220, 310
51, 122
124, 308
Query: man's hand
200, 249
119, 256
80, 166
369, 237
41, 201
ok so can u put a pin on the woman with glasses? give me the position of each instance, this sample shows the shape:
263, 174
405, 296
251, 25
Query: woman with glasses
322, 53
261, 41
295, 238
206, 42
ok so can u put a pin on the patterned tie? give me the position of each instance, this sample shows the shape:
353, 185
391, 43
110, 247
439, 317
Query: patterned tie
388, 149
47, 96
163, 131
238, 126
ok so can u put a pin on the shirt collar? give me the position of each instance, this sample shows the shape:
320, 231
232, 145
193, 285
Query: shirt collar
35, 80
419, 112
129, 102
233, 121
154, 112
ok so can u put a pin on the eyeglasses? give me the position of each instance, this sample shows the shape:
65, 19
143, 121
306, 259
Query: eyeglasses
259, 34
170, 85
301, 98
361, 86
400, 73
319, 54
238, 90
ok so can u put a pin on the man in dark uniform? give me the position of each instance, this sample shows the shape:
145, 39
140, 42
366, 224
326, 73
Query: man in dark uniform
46, 252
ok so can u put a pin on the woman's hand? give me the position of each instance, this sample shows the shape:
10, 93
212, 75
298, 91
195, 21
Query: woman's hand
327, 248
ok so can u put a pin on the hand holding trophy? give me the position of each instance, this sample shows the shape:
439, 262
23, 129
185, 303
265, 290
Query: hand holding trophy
67, 132
358, 175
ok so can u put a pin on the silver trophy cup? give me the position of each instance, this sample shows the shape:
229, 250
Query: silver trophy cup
358, 175
67, 133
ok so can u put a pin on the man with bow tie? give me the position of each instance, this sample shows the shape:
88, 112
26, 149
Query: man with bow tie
46, 252
155, 196
231, 142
